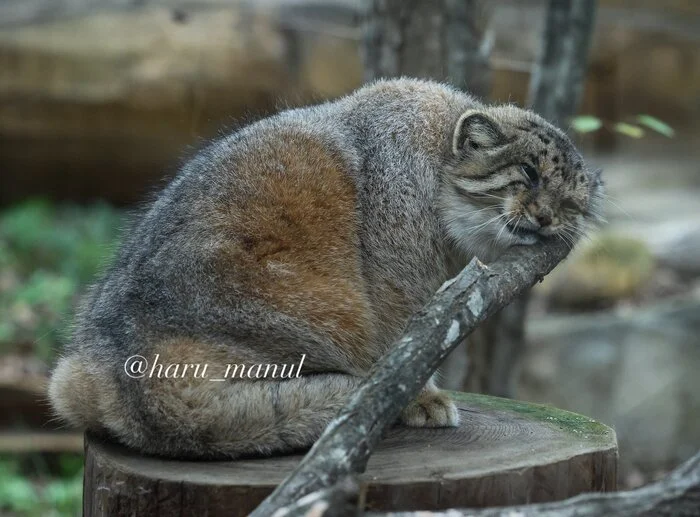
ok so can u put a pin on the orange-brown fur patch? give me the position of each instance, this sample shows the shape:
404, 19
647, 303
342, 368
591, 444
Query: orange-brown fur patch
296, 243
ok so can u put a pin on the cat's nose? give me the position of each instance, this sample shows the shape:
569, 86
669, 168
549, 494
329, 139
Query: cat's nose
544, 219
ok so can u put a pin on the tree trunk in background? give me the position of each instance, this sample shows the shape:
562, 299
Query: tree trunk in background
442, 39
495, 351
556, 89
445, 40
557, 81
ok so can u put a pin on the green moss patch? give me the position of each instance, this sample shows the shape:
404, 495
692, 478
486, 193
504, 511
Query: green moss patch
573, 423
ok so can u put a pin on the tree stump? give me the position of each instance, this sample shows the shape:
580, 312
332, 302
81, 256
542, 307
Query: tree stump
504, 452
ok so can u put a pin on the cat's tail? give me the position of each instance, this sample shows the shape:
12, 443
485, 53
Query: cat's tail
200, 417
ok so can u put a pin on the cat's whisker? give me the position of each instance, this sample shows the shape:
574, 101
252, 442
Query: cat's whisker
569, 239
520, 217
485, 223
570, 231
569, 235
498, 235
563, 239
625, 212
576, 230
573, 234
482, 210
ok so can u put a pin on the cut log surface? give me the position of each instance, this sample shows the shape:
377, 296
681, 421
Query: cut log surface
503, 453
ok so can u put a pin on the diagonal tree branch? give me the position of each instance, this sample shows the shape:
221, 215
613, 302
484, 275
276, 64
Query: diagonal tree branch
454, 312
340, 500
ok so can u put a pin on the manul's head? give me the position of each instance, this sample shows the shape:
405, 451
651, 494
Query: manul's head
515, 179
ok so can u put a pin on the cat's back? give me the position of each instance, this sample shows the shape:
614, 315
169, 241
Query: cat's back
261, 221
282, 214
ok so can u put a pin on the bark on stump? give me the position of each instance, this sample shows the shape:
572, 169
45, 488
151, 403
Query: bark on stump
505, 452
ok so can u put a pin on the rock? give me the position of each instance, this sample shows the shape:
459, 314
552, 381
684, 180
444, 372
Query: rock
672, 234
681, 251
599, 273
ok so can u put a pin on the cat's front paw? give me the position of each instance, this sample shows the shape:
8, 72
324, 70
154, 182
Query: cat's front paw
431, 409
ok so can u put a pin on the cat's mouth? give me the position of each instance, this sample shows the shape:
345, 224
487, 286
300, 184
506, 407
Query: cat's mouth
523, 232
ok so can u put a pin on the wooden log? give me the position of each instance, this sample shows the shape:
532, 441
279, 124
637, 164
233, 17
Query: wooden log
676, 495
505, 452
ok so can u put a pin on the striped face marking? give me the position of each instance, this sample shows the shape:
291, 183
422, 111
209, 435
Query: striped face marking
515, 179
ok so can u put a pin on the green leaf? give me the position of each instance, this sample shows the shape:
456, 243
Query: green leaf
586, 123
71, 465
17, 494
629, 130
656, 125
64, 495
6, 331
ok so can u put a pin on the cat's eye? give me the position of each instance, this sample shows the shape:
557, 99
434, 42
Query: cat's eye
570, 206
530, 172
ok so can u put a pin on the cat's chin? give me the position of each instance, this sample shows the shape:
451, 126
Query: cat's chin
485, 249
489, 248
490, 241
519, 237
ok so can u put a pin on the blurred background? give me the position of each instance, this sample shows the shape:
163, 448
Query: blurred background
100, 100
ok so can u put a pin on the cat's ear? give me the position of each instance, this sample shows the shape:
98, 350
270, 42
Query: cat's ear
476, 130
